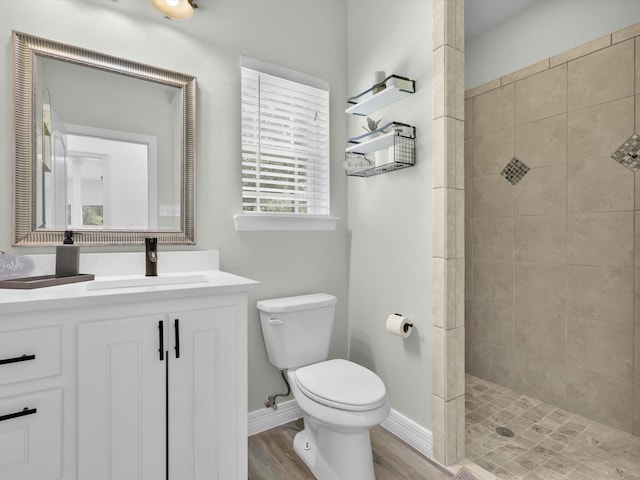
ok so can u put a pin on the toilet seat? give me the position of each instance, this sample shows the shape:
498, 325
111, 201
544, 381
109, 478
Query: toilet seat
341, 384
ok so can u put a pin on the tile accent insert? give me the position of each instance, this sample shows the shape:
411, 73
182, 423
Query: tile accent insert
627, 154
514, 171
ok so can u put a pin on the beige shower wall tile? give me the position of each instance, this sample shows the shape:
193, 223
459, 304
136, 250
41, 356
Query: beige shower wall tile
637, 65
600, 185
525, 72
468, 118
468, 177
636, 298
579, 51
493, 110
492, 323
637, 239
540, 378
493, 238
542, 191
493, 281
637, 189
600, 347
625, 33
448, 223
598, 131
468, 281
490, 363
482, 88
493, 196
537, 283
448, 153
540, 332
448, 83
541, 95
448, 23
541, 238
600, 398
542, 142
448, 348
601, 293
604, 239
636, 410
636, 391
592, 79
468, 237
492, 151
447, 309
636, 351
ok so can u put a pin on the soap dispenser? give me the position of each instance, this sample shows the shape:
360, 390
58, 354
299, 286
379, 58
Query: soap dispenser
67, 257
151, 256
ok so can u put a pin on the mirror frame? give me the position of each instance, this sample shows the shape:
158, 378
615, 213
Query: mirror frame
24, 231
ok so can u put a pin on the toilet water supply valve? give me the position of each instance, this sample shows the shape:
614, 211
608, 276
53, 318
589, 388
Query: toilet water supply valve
270, 402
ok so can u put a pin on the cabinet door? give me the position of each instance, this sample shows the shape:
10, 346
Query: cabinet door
31, 436
203, 396
121, 400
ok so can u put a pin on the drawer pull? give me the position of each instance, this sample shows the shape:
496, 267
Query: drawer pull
25, 411
23, 358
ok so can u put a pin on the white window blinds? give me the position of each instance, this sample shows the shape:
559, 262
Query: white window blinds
285, 143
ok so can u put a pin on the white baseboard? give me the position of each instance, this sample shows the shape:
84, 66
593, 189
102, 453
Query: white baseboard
414, 434
402, 427
266, 418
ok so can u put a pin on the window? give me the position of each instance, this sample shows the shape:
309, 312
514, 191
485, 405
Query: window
285, 148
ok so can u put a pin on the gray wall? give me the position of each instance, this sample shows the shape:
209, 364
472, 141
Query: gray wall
390, 214
546, 28
308, 35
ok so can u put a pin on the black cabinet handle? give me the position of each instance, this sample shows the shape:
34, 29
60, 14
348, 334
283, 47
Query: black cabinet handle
161, 337
23, 358
25, 411
176, 325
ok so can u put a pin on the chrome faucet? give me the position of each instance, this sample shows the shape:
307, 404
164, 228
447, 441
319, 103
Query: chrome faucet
151, 257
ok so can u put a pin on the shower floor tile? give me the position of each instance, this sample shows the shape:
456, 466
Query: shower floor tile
548, 443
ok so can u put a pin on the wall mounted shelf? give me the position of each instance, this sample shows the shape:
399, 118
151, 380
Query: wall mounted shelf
377, 153
387, 148
390, 90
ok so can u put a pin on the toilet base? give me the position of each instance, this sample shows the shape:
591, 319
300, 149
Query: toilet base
334, 455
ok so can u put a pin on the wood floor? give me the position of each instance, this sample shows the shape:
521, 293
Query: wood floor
271, 457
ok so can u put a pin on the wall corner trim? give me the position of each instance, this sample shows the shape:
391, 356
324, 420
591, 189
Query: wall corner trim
411, 432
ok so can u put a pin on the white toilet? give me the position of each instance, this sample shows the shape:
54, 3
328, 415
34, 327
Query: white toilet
340, 400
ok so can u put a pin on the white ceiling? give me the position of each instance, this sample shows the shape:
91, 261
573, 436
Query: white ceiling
482, 15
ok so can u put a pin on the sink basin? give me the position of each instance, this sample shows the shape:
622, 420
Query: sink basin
136, 282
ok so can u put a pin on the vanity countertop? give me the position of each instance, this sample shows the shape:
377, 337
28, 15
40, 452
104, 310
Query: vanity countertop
107, 288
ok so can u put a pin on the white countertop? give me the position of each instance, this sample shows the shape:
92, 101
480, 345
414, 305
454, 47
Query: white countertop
195, 274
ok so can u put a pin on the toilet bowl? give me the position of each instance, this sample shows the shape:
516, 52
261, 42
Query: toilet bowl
340, 400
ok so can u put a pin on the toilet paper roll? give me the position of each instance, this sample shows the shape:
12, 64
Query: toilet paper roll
399, 325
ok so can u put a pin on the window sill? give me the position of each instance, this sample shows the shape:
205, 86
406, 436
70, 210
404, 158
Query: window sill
246, 222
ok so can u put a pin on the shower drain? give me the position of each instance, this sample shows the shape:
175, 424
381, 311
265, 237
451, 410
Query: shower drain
504, 432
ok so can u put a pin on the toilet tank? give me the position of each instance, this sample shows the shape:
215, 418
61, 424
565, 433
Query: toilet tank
297, 330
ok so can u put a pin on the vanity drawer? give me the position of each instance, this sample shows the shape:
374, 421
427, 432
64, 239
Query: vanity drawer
29, 354
31, 436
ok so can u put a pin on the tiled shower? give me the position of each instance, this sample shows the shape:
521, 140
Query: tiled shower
553, 232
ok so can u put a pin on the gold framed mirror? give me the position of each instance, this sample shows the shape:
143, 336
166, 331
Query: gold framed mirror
103, 146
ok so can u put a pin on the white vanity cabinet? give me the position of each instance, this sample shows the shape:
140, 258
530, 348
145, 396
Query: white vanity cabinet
135, 379
164, 391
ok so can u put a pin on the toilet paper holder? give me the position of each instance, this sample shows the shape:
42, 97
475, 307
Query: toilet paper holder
397, 324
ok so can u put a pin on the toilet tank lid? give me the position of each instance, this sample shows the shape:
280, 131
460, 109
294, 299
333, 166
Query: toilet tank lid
297, 303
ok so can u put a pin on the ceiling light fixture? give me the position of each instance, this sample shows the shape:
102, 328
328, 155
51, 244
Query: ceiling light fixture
177, 9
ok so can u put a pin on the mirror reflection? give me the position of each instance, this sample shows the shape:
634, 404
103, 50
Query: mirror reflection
114, 147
